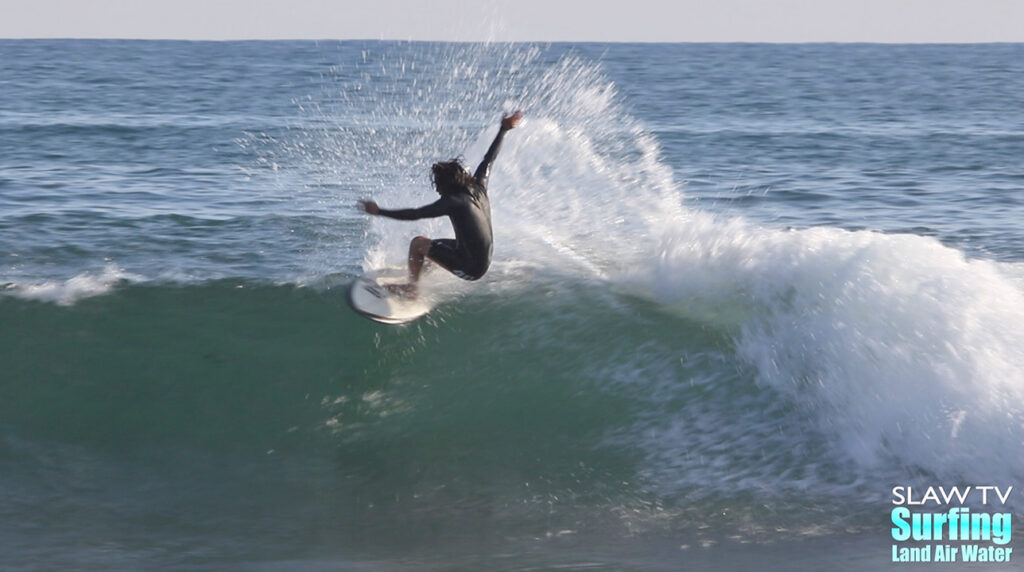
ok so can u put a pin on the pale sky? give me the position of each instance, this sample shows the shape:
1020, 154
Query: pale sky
902, 21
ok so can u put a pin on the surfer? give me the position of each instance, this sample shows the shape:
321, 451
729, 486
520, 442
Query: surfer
464, 201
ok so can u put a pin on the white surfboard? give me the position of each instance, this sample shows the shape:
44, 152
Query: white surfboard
370, 297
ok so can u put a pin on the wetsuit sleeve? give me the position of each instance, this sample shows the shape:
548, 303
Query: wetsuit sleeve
483, 172
440, 207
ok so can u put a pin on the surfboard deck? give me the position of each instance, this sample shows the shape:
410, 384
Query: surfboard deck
369, 296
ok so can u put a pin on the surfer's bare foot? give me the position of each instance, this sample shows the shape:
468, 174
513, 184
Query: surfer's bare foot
406, 291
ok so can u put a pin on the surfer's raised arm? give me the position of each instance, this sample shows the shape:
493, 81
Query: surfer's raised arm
483, 172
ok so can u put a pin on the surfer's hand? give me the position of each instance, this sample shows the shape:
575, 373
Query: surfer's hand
370, 207
510, 121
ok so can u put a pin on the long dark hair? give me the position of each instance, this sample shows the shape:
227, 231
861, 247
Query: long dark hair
451, 177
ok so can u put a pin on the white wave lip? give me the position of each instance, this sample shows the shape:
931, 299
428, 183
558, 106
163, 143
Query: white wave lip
899, 347
67, 292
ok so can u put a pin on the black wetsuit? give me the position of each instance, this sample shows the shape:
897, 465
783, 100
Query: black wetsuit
469, 255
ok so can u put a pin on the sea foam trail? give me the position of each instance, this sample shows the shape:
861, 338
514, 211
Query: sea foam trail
67, 292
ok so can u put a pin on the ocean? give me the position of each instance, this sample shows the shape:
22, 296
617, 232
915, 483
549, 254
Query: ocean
739, 293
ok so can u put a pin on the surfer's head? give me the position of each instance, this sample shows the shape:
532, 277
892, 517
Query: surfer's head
451, 177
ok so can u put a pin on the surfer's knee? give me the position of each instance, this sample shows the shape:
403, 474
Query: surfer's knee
420, 244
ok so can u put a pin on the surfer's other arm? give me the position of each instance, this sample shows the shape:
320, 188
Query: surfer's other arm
433, 210
483, 172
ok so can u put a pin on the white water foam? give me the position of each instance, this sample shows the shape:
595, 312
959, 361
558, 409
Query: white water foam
905, 352
67, 292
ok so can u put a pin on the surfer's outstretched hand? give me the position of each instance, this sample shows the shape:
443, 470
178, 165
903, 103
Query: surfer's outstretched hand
510, 121
370, 207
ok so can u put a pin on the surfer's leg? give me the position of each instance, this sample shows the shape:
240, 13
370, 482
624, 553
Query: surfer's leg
418, 249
